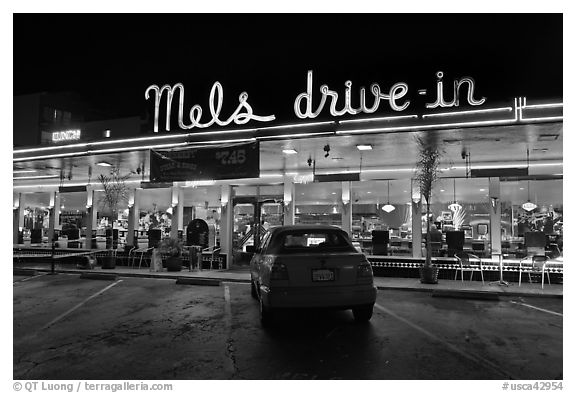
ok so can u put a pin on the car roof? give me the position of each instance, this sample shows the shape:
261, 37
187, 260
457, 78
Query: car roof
305, 227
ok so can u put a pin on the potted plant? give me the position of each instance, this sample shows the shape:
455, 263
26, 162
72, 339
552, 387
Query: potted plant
427, 171
172, 249
115, 195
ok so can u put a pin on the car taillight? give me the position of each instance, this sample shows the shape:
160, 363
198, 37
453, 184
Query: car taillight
364, 270
279, 271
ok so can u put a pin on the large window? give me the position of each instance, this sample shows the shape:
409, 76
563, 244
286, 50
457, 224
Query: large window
318, 203
518, 218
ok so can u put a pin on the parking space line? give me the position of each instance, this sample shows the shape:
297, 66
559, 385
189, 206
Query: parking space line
29, 278
537, 308
230, 364
65, 314
227, 306
474, 358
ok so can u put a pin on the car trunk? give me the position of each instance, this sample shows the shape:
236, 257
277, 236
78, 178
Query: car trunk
320, 269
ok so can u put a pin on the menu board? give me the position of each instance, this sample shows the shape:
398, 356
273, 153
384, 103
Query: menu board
236, 161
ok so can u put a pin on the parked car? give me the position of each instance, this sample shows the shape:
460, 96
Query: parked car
311, 266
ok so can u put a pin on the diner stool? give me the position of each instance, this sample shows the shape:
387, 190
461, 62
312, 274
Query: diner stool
470, 263
537, 265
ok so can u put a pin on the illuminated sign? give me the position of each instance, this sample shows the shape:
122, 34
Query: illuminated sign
369, 101
63, 136
237, 161
242, 115
395, 94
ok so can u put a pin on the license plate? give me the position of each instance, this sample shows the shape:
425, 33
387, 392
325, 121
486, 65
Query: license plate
322, 275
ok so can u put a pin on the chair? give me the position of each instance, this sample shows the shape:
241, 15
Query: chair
470, 263
478, 248
536, 265
142, 252
436, 242
535, 244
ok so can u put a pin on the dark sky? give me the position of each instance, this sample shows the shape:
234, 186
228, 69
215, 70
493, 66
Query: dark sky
111, 59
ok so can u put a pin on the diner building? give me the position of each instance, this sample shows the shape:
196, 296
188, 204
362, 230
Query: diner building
347, 157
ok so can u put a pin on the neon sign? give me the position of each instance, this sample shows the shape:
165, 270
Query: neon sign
456, 96
195, 114
68, 135
395, 93
395, 96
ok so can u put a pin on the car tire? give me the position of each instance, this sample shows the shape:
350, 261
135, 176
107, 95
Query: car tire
253, 290
363, 314
266, 315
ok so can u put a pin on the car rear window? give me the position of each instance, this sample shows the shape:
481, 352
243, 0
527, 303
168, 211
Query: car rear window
311, 241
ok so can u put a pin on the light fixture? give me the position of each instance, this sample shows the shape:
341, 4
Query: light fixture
364, 147
346, 193
289, 151
25, 171
35, 177
528, 206
454, 206
388, 207
104, 163
224, 196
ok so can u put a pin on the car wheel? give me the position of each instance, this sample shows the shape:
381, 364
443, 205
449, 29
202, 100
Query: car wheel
253, 290
265, 315
363, 314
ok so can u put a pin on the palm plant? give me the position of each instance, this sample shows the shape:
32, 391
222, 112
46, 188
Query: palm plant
426, 174
115, 190
115, 195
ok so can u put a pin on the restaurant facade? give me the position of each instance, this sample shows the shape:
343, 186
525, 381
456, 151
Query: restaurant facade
219, 173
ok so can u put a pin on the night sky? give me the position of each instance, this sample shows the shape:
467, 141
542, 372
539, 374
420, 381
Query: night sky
112, 59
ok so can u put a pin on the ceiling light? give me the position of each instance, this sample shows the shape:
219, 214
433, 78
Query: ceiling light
388, 207
35, 177
289, 151
25, 171
364, 147
104, 163
528, 205
547, 137
455, 206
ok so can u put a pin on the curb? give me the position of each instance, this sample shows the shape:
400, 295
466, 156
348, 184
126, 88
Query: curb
215, 281
476, 295
508, 294
197, 281
99, 276
24, 272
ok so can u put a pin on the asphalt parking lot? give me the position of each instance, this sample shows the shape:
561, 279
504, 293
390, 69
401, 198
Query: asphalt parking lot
134, 328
